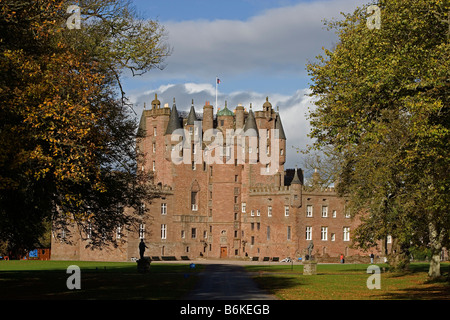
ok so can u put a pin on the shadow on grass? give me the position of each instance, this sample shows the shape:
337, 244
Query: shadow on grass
274, 283
125, 283
426, 292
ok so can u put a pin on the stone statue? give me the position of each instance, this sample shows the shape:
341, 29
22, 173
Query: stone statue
142, 247
310, 249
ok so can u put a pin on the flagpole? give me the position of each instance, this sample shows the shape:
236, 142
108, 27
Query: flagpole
216, 94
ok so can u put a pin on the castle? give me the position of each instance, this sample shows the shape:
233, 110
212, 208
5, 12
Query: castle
225, 193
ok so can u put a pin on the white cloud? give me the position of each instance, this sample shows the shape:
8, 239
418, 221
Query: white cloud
277, 41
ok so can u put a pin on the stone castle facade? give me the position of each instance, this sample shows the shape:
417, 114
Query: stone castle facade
232, 199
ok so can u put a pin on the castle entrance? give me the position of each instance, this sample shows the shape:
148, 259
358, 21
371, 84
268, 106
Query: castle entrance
223, 252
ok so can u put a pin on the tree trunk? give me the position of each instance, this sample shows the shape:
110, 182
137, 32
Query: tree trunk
435, 266
436, 239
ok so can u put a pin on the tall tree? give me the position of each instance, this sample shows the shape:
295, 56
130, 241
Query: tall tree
383, 103
67, 134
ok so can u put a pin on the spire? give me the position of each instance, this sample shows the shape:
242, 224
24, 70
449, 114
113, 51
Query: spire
296, 179
279, 127
174, 120
192, 117
250, 123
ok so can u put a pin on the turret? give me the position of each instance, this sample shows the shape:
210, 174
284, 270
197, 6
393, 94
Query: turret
296, 189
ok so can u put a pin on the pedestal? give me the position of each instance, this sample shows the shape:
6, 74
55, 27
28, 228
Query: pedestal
309, 267
143, 265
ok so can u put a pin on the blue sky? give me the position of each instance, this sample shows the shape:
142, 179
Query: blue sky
257, 48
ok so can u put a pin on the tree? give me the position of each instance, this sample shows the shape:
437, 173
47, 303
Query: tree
382, 103
67, 134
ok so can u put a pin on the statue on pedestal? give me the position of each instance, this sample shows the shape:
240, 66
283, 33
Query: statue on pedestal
310, 249
142, 247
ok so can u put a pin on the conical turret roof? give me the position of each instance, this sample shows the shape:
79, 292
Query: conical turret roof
250, 127
192, 117
279, 127
174, 120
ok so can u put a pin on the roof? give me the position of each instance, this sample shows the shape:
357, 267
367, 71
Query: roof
250, 125
225, 111
192, 117
279, 127
174, 120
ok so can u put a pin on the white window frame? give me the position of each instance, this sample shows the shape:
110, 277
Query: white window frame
269, 211
308, 233
346, 233
163, 208
325, 212
142, 231
243, 207
309, 213
324, 233
286, 211
163, 231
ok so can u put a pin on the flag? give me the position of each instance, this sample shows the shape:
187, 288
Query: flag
218, 80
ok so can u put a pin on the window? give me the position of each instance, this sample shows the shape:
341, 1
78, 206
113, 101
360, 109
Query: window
281, 152
163, 231
154, 147
308, 233
324, 211
286, 211
194, 233
243, 207
324, 233
141, 231
333, 237
194, 204
235, 199
154, 166
252, 213
183, 234
347, 213
258, 213
346, 234
334, 214
269, 211
267, 168
389, 239
253, 240
89, 231
141, 209
205, 234
268, 232
289, 232
119, 232
309, 211
252, 226
154, 131
193, 165
163, 208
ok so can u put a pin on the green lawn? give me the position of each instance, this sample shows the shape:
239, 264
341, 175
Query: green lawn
348, 282
99, 280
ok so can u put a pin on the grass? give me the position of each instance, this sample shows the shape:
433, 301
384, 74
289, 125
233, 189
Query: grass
99, 280
348, 282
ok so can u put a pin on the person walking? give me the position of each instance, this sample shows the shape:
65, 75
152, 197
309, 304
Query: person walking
342, 258
371, 257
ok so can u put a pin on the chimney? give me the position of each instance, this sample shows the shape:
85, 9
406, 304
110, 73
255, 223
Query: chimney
208, 116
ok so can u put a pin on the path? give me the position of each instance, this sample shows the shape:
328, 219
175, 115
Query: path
227, 282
